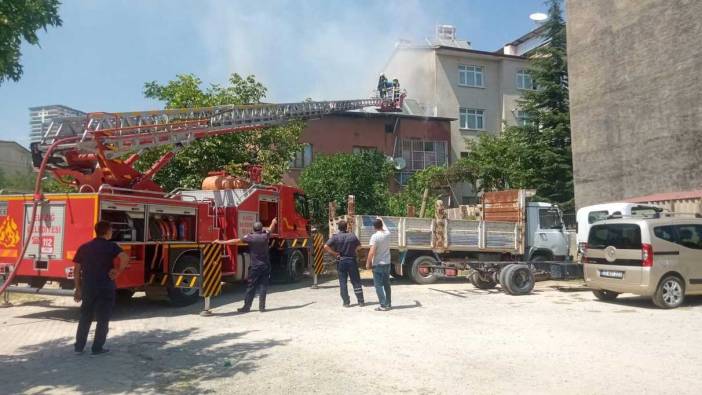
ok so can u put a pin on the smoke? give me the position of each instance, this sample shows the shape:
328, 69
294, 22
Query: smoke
317, 49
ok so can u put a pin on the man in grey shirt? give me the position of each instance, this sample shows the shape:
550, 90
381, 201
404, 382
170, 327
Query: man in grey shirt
379, 261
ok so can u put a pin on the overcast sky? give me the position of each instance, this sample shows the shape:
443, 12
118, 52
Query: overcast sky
105, 51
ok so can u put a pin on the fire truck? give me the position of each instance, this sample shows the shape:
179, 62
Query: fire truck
168, 234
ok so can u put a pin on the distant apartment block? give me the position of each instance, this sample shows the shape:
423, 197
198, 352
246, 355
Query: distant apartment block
40, 117
479, 89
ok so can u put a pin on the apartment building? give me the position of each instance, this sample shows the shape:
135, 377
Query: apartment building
40, 117
479, 89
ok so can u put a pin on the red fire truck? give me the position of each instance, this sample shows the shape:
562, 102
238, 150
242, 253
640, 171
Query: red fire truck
168, 235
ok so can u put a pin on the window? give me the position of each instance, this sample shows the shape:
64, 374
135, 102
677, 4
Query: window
523, 119
472, 119
524, 80
357, 149
470, 76
420, 154
302, 158
620, 236
689, 236
549, 219
597, 216
301, 205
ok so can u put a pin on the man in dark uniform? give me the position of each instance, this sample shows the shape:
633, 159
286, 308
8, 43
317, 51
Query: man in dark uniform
260, 269
95, 285
343, 246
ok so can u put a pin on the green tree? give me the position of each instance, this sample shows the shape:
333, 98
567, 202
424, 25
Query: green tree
537, 155
20, 20
331, 178
273, 147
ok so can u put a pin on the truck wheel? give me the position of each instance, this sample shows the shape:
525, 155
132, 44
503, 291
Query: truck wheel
603, 294
189, 264
421, 273
501, 278
37, 282
124, 295
295, 266
670, 293
479, 283
519, 280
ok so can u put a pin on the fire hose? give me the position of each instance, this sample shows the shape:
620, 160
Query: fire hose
38, 197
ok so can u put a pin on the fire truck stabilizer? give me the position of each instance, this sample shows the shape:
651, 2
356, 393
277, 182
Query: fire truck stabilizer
168, 235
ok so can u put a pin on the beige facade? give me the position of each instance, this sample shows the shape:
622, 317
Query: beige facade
432, 76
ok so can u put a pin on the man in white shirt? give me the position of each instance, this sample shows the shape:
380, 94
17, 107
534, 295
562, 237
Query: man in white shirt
379, 261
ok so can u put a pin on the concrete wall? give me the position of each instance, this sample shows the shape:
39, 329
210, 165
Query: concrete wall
635, 72
14, 159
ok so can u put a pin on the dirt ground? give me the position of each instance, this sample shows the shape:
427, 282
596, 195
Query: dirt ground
442, 338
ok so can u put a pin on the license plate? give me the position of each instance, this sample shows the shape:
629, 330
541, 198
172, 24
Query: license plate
611, 274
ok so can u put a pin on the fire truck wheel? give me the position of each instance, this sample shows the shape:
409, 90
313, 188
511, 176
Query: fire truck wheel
479, 283
519, 279
421, 273
295, 266
124, 295
37, 282
189, 264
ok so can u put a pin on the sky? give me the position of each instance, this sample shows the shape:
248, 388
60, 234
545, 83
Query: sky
106, 50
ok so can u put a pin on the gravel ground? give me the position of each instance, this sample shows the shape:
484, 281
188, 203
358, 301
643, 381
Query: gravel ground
441, 338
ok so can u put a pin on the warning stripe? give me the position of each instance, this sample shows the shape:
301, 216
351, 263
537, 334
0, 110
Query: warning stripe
318, 242
211, 270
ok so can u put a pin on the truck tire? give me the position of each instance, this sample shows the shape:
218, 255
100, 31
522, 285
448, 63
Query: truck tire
179, 297
670, 293
501, 278
479, 283
421, 274
124, 295
294, 266
603, 294
519, 280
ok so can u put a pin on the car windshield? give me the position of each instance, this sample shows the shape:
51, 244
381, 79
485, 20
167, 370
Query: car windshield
620, 236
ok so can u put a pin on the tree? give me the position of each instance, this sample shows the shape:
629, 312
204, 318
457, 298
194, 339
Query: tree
437, 180
536, 155
331, 178
273, 147
20, 19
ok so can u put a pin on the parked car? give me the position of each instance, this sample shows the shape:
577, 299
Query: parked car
656, 257
588, 215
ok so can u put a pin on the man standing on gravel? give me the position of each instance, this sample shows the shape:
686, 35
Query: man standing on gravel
379, 261
343, 246
95, 275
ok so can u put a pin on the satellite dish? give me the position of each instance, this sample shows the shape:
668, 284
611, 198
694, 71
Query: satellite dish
538, 17
399, 163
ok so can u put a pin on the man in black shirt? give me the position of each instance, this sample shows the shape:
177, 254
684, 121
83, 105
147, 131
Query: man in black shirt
343, 246
95, 285
260, 269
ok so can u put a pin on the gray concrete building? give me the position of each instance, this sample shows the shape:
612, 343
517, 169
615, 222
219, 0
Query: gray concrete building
40, 117
635, 74
14, 159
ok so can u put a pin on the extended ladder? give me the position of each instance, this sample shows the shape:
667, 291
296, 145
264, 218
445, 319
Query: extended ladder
114, 134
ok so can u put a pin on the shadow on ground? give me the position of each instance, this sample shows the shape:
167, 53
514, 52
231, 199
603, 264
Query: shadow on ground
646, 303
140, 307
150, 361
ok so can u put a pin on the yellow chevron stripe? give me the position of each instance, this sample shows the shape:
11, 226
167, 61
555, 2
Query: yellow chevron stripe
304, 243
164, 279
294, 243
151, 279
179, 280
192, 282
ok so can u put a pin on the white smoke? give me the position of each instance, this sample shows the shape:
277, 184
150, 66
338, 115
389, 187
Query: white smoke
318, 49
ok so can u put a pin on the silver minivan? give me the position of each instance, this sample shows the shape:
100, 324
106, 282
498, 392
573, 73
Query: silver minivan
656, 257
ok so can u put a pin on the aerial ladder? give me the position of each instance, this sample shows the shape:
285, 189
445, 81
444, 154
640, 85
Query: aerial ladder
101, 149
